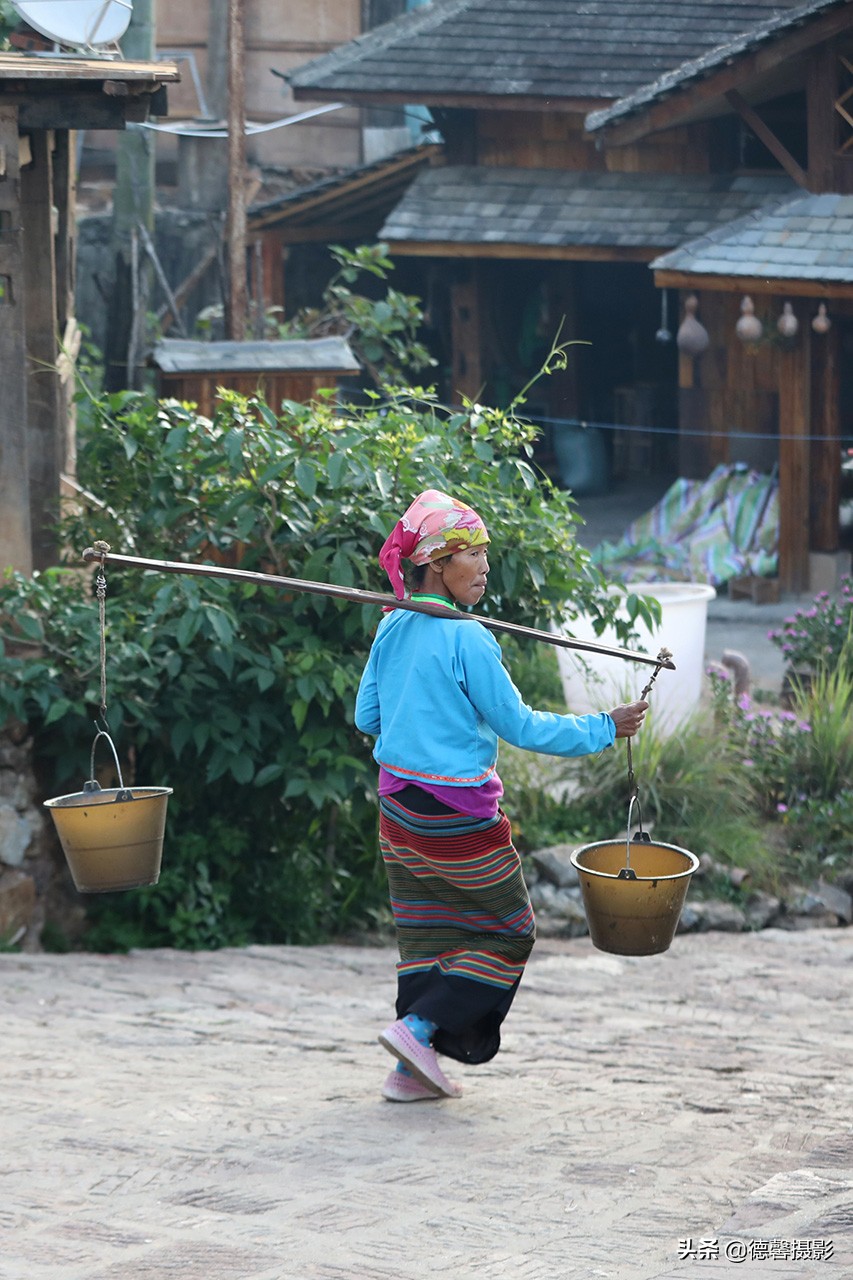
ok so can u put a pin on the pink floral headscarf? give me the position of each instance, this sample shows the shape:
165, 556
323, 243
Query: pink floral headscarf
434, 525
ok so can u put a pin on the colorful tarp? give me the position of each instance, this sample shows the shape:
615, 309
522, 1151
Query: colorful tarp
702, 531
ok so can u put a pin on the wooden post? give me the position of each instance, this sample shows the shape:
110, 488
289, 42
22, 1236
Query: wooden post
794, 448
133, 202
65, 197
235, 310
821, 88
465, 335
825, 471
45, 420
15, 545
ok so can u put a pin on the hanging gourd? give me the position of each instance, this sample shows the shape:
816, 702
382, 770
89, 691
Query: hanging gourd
692, 337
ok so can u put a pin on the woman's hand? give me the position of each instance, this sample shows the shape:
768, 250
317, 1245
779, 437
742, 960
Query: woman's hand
628, 717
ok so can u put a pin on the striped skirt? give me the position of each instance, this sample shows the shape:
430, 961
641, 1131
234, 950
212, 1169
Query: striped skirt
464, 921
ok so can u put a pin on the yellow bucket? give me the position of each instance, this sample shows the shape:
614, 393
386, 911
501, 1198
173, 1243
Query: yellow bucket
633, 893
112, 839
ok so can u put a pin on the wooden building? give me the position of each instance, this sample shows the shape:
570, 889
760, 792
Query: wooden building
43, 101
789, 266
583, 144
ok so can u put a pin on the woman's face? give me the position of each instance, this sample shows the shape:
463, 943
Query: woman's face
464, 574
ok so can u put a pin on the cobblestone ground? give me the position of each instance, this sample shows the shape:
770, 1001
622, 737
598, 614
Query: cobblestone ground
217, 1117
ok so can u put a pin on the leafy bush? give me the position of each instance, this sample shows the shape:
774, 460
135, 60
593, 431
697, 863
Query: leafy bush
383, 332
768, 744
814, 638
818, 833
241, 696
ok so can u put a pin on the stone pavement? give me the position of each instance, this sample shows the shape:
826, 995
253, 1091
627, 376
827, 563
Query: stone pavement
216, 1116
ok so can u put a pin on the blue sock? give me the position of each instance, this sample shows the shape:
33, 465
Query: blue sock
421, 1028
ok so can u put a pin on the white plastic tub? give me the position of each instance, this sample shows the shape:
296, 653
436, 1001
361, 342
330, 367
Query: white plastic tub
596, 683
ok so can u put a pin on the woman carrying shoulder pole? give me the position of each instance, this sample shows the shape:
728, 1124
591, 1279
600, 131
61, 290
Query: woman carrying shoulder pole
437, 698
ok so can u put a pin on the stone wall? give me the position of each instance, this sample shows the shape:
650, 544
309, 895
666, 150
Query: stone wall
35, 885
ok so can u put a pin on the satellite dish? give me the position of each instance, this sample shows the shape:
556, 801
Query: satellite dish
87, 25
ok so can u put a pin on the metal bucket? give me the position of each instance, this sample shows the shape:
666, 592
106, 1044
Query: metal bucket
112, 838
633, 895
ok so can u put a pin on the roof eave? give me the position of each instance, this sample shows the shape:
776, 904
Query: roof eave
567, 104
668, 278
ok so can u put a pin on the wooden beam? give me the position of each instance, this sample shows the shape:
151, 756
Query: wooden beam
768, 137
15, 544
687, 102
754, 284
536, 252
794, 457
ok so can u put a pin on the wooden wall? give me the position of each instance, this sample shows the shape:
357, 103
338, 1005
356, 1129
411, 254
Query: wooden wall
556, 140
201, 388
770, 403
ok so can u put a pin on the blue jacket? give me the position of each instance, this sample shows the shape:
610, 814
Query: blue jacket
436, 697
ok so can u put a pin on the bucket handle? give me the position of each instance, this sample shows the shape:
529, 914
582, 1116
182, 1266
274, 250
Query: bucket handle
123, 793
627, 872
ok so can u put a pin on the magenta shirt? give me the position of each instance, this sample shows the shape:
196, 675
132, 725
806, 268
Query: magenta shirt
476, 802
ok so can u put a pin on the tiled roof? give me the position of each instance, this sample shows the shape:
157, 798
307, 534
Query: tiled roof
681, 77
807, 238
471, 205
529, 48
367, 189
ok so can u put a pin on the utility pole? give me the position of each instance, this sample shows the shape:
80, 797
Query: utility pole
236, 305
133, 203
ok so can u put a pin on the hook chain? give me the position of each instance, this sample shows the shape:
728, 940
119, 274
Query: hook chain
663, 657
101, 592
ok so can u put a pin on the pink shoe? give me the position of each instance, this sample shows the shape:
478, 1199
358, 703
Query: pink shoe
401, 1088
419, 1058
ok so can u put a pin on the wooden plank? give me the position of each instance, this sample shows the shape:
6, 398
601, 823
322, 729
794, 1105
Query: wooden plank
15, 545
687, 103
768, 137
753, 284
14, 66
825, 471
794, 451
46, 433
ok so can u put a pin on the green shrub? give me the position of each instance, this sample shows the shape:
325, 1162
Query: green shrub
241, 697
